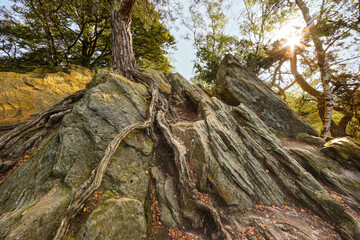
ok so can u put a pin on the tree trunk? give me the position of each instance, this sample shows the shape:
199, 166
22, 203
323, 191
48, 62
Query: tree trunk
325, 81
123, 58
301, 81
85, 56
339, 130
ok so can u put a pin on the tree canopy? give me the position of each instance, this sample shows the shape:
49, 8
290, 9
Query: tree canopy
52, 33
323, 62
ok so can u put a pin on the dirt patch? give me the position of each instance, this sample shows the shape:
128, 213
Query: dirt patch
284, 222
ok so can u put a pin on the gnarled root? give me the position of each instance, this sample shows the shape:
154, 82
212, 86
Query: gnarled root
8, 127
94, 182
186, 176
95, 179
59, 110
216, 217
158, 108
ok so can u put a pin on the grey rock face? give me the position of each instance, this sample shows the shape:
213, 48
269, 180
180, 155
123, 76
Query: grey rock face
237, 84
121, 219
233, 150
35, 221
103, 112
75, 150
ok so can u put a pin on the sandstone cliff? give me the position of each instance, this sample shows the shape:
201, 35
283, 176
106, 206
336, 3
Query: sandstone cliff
22, 95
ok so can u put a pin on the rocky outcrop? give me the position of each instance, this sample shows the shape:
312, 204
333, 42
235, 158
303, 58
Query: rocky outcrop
237, 84
22, 95
249, 182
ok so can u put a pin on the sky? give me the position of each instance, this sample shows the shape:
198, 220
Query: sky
183, 57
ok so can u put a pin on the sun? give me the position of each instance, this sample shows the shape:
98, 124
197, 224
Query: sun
289, 34
293, 41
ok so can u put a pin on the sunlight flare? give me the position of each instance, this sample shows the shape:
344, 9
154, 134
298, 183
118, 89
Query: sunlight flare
293, 40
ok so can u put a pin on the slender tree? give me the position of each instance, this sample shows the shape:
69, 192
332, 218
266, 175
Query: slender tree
325, 80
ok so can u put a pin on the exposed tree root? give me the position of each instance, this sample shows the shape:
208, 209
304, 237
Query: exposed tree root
85, 191
95, 180
8, 127
49, 115
158, 108
186, 176
216, 217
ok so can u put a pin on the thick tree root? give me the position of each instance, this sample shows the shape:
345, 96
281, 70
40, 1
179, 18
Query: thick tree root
216, 217
8, 127
158, 108
186, 176
94, 182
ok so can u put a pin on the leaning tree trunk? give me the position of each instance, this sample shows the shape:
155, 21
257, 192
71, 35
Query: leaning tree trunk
339, 129
123, 56
301, 81
325, 81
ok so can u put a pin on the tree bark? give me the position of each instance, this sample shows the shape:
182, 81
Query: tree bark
339, 130
325, 81
123, 57
301, 81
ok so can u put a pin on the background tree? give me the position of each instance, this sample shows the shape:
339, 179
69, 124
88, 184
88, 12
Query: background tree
79, 33
322, 57
207, 24
328, 37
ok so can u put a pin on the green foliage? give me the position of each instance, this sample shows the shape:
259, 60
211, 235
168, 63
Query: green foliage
259, 22
306, 107
49, 33
151, 40
210, 40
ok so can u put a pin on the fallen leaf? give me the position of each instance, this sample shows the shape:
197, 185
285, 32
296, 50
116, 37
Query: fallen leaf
266, 170
84, 209
267, 215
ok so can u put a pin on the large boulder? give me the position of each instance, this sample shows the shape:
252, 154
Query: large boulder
22, 95
236, 84
72, 152
121, 219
